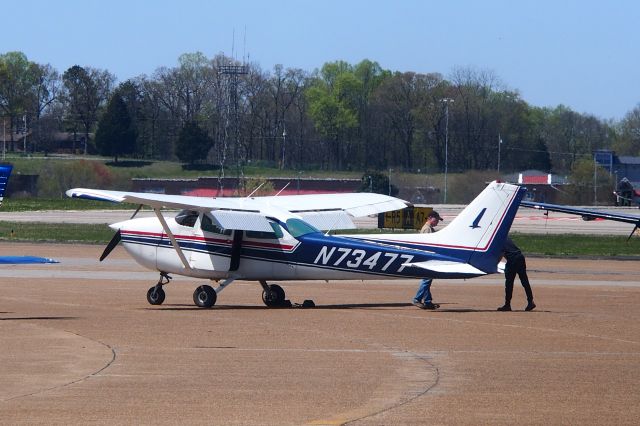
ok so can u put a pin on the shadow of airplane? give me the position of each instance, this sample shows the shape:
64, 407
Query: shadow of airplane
36, 318
369, 306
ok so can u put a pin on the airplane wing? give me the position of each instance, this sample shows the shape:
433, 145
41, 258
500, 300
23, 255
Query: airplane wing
586, 213
324, 211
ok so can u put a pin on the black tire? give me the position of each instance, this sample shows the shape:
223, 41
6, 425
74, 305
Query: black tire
205, 296
273, 297
155, 296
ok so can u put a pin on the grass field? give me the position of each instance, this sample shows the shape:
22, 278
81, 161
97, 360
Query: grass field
40, 204
547, 245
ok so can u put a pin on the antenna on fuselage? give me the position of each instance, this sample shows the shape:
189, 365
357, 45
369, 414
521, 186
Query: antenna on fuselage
283, 188
256, 190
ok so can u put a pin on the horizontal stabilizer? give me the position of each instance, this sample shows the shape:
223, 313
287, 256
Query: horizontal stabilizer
447, 267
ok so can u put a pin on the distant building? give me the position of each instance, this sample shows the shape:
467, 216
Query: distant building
542, 187
619, 165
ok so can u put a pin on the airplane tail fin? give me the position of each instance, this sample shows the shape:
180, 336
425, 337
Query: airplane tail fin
5, 172
476, 236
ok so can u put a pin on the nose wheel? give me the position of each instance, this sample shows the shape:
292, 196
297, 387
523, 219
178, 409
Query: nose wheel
156, 295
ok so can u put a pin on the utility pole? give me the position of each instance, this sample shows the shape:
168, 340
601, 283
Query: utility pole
595, 181
284, 143
4, 137
24, 119
499, 145
446, 144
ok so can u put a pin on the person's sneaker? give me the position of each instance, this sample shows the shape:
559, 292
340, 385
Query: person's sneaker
505, 308
418, 304
530, 306
431, 306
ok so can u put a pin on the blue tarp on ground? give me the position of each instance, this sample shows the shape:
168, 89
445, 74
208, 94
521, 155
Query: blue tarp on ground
18, 260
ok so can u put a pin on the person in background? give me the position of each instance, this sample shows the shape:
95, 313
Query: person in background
423, 298
516, 265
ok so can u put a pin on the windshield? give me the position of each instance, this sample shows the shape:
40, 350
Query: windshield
297, 227
187, 217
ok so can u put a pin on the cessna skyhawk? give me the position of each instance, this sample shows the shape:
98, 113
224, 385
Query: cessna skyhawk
280, 238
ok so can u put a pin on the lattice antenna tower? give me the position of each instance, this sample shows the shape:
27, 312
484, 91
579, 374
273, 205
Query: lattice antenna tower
232, 73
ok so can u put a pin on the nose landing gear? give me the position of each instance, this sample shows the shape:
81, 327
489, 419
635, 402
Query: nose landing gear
155, 295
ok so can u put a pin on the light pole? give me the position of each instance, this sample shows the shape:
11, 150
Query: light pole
24, 118
390, 170
595, 181
4, 138
284, 142
446, 144
499, 145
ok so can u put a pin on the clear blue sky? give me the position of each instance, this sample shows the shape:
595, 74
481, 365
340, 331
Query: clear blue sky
583, 54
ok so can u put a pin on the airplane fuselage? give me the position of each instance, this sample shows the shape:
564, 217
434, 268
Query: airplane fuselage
259, 256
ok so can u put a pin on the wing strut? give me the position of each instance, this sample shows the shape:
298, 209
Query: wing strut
174, 243
235, 250
136, 212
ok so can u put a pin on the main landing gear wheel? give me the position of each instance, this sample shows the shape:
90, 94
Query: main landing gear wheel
273, 295
205, 296
155, 295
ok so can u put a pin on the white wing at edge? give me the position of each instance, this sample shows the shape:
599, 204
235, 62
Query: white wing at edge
355, 204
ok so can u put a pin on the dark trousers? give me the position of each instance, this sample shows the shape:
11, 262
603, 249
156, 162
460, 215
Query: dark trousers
517, 266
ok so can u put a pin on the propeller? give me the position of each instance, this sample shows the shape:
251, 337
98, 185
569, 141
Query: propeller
112, 244
116, 238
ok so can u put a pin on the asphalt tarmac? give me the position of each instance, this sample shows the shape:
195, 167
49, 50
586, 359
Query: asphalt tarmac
80, 344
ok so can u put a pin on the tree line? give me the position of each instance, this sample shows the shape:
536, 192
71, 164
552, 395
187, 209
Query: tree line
339, 117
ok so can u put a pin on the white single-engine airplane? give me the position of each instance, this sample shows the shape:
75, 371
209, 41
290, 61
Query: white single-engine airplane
278, 238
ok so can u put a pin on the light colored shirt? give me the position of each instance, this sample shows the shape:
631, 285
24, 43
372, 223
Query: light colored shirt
427, 229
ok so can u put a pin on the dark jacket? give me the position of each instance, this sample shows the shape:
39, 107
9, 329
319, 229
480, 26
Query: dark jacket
511, 251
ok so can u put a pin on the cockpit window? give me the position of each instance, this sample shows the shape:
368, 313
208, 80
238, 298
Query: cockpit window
297, 227
187, 218
209, 226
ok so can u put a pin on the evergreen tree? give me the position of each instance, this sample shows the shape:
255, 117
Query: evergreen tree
378, 183
115, 135
541, 159
193, 143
